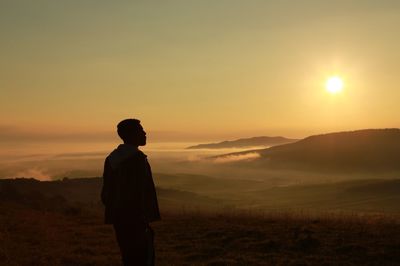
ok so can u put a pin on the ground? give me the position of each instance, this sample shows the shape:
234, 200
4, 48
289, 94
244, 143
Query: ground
76, 235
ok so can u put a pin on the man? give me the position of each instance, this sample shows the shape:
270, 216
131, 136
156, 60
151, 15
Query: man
129, 195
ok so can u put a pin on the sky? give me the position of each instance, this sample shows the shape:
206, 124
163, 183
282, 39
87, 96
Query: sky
196, 70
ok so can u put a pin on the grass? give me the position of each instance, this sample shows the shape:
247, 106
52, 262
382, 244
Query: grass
76, 235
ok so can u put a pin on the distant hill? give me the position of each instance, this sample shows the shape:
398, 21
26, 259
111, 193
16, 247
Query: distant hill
365, 150
87, 190
357, 195
245, 142
370, 195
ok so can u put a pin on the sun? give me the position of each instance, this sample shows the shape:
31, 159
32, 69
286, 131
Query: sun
334, 85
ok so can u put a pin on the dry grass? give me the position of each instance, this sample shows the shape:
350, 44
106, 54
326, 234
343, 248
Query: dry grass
36, 236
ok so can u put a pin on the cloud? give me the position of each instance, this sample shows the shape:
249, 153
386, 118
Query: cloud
11, 133
237, 157
54, 133
36, 173
81, 155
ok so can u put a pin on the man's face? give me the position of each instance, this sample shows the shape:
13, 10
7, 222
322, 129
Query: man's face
141, 137
135, 135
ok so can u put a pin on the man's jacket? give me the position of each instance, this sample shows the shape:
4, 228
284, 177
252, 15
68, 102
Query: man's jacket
128, 192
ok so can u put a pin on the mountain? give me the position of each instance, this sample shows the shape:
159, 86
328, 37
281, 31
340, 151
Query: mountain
246, 142
366, 150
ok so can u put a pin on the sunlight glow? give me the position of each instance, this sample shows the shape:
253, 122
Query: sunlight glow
334, 85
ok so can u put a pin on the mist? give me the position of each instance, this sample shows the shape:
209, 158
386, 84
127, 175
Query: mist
240, 177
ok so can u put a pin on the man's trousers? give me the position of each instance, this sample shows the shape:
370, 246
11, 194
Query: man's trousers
136, 243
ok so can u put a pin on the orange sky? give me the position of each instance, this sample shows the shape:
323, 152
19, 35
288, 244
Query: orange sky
196, 70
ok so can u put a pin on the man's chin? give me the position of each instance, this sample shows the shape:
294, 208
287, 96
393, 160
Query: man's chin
142, 144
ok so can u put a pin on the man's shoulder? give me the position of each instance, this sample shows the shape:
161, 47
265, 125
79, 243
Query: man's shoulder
141, 154
138, 153
117, 156
138, 158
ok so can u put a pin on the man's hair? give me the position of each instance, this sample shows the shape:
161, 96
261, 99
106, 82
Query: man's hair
128, 127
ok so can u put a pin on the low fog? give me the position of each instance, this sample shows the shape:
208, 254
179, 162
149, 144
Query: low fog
241, 178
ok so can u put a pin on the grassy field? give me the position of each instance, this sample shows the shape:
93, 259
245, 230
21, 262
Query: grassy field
68, 234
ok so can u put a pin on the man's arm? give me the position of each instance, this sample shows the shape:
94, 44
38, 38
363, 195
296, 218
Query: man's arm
106, 191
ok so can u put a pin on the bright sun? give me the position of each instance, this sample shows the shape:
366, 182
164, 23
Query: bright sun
334, 85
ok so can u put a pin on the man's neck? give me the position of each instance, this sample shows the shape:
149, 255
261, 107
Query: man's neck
134, 146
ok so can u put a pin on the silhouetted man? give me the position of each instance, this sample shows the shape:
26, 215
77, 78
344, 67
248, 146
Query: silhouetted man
129, 195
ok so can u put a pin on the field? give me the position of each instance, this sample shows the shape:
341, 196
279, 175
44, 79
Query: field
47, 232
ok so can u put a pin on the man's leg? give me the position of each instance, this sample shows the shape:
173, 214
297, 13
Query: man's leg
150, 246
132, 240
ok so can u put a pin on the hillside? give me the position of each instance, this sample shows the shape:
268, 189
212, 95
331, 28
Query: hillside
42, 236
87, 191
210, 193
346, 223
376, 150
355, 196
245, 142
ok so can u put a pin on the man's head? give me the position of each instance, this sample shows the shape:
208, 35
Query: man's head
131, 132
